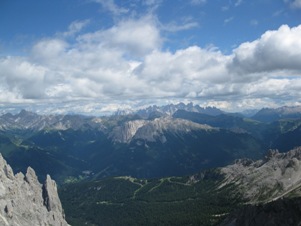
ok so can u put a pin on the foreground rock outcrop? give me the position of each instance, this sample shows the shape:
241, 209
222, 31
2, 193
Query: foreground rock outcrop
26, 202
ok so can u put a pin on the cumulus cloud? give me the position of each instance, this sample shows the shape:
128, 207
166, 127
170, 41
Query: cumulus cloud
278, 50
22, 78
125, 65
193, 64
49, 51
134, 37
98, 65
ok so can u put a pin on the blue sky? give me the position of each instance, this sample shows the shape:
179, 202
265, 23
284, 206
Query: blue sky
95, 56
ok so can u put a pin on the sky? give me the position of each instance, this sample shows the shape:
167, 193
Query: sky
98, 56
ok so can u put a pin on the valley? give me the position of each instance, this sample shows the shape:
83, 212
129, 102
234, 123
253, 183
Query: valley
242, 192
166, 201
171, 165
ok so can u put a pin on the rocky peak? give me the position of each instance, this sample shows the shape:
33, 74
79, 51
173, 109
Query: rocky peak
24, 113
272, 154
24, 201
168, 110
265, 180
126, 131
153, 130
51, 199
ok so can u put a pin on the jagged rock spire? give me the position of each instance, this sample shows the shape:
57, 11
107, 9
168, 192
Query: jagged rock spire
24, 201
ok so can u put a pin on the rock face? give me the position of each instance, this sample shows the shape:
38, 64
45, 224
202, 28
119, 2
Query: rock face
153, 130
277, 176
170, 109
126, 132
272, 188
26, 202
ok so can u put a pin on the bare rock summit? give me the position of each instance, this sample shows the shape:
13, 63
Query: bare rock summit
26, 202
277, 176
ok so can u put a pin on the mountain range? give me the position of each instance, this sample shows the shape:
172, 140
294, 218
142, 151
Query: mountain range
181, 141
270, 114
66, 145
178, 157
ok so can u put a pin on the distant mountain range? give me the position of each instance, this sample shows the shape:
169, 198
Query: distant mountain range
168, 110
122, 145
270, 114
26, 120
182, 139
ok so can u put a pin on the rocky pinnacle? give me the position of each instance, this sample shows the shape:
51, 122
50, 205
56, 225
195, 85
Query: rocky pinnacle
26, 202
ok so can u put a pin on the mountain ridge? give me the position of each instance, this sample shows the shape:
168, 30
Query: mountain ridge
272, 114
268, 179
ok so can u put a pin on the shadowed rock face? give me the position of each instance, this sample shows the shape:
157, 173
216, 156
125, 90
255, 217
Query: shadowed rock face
286, 212
26, 202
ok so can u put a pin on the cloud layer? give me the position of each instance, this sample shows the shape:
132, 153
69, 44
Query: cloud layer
127, 62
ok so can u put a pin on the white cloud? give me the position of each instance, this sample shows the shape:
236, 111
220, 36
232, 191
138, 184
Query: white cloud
49, 50
278, 50
186, 71
133, 37
99, 65
75, 27
22, 78
125, 65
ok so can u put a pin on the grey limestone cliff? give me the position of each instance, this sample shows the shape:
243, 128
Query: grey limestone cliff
277, 176
272, 188
153, 130
26, 202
